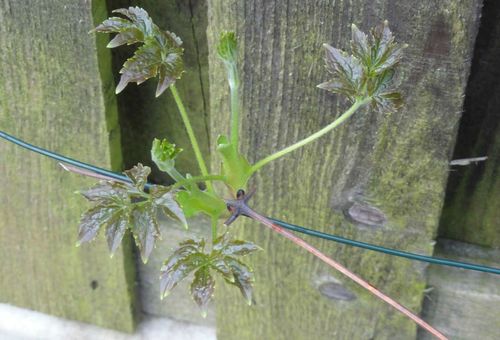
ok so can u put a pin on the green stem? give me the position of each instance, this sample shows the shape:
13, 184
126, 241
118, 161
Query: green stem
357, 104
176, 175
235, 112
190, 132
197, 179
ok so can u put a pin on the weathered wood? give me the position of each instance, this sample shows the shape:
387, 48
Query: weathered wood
395, 163
56, 91
144, 117
472, 208
463, 303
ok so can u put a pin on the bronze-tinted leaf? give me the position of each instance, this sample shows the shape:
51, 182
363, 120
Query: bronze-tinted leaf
243, 277
145, 229
202, 288
116, 229
139, 175
171, 208
92, 220
160, 55
106, 192
139, 17
359, 43
239, 248
223, 268
177, 268
369, 71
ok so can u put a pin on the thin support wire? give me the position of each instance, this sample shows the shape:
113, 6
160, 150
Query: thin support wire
310, 232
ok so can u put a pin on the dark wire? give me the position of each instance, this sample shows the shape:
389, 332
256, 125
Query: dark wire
411, 256
286, 225
63, 159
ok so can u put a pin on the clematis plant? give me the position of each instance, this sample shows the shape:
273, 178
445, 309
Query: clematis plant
364, 77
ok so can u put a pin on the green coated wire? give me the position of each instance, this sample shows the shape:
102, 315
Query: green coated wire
306, 231
411, 256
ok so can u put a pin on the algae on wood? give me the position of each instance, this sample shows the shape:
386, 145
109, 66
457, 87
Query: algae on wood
472, 208
389, 168
55, 93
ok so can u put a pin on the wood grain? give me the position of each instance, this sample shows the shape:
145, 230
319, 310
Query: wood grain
390, 169
472, 208
56, 91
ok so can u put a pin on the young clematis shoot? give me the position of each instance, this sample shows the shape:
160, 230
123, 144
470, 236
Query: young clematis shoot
364, 77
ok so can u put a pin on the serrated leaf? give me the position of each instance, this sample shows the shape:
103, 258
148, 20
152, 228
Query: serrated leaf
145, 229
116, 229
171, 208
139, 175
234, 165
160, 55
359, 43
163, 153
202, 288
243, 278
92, 220
139, 17
368, 72
106, 192
223, 268
185, 249
239, 248
228, 247
177, 268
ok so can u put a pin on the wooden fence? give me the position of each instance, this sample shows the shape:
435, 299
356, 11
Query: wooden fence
57, 91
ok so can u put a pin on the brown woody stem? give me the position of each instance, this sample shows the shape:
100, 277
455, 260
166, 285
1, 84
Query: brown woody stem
337, 266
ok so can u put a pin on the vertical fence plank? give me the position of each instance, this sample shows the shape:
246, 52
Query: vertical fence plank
54, 93
466, 303
472, 209
378, 178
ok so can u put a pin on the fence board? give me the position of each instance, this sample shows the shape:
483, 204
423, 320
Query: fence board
52, 95
396, 163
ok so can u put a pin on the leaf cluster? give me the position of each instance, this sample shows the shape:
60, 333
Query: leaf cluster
223, 260
121, 206
160, 54
368, 72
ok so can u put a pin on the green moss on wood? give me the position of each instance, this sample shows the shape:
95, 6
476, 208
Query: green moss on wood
52, 96
472, 208
394, 163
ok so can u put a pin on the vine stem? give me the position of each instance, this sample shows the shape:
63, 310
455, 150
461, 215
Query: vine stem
191, 135
360, 102
194, 143
337, 266
235, 110
198, 179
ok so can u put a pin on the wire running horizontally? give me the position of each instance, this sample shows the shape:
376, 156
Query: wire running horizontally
306, 231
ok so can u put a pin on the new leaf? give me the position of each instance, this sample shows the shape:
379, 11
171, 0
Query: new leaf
223, 260
121, 206
368, 72
160, 55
